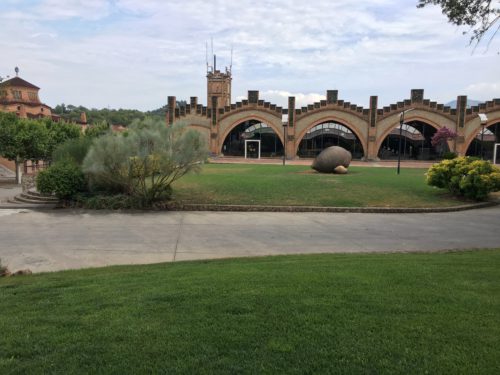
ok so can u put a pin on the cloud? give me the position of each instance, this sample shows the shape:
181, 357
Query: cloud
484, 90
129, 53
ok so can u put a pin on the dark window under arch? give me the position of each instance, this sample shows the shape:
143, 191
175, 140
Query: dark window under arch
415, 143
326, 134
490, 137
270, 143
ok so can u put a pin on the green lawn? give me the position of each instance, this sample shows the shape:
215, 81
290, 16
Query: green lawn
301, 186
361, 313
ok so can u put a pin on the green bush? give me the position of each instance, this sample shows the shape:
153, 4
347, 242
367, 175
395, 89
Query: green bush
4, 271
64, 179
465, 176
73, 150
107, 201
450, 155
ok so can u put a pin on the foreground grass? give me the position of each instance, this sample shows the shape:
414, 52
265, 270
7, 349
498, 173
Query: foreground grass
387, 313
301, 186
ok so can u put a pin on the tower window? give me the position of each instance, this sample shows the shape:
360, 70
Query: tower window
32, 96
17, 94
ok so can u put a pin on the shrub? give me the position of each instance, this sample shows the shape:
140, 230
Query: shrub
4, 271
450, 155
106, 201
64, 179
73, 150
145, 161
465, 176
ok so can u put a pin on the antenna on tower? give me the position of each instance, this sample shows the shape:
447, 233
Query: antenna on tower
206, 54
212, 44
231, 63
16, 69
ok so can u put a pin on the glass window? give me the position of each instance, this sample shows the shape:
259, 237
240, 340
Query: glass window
17, 94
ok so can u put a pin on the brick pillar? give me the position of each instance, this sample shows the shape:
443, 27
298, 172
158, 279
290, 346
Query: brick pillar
290, 131
171, 110
459, 143
372, 153
253, 96
214, 131
332, 96
417, 95
194, 102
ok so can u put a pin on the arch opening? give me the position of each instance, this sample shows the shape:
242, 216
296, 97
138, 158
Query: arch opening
252, 130
326, 134
416, 143
490, 136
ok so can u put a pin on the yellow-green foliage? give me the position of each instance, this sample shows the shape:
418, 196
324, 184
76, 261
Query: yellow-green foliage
465, 176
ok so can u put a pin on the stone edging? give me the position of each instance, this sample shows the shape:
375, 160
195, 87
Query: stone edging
250, 208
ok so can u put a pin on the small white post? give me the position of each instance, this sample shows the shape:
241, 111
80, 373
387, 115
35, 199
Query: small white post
495, 148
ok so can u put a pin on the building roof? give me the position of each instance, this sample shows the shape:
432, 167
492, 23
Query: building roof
19, 82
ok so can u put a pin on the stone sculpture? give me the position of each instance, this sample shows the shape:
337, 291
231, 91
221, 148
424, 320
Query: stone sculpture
331, 158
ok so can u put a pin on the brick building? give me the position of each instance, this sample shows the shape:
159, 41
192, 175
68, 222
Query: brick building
21, 97
257, 127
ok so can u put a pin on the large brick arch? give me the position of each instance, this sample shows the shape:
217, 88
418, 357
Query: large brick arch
229, 122
437, 121
198, 123
473, 127
203, 129
356, 124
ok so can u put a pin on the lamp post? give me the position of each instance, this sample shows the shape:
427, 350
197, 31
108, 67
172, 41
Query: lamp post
484, 120
285, 124
401, 122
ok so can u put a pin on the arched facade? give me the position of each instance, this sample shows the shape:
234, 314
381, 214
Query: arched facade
355, 125
474, 126
370, 125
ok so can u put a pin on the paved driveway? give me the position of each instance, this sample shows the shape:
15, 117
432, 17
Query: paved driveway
64, 239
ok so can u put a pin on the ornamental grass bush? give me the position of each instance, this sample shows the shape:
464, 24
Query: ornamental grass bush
465, 177
144, 161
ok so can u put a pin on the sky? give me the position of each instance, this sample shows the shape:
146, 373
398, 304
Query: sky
134, 54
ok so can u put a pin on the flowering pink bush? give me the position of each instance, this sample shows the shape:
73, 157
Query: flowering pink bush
441, 136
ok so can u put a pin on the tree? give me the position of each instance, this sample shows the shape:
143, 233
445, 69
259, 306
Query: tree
146, 160
441, 137
479, 15
24, 139
94, 131
58, 133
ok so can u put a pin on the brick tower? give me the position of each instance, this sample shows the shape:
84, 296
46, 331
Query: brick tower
218, 86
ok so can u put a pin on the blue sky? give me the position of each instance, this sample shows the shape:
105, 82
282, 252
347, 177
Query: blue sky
133, 54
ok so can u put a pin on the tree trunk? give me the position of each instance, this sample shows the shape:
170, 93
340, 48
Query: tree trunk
18, 171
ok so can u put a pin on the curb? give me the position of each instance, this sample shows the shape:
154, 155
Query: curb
250, 208
16, 206
388, 210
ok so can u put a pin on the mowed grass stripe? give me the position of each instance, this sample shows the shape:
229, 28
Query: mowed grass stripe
340, 313
301, 186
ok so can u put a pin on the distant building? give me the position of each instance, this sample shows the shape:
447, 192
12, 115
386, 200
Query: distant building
254, 128
21, 97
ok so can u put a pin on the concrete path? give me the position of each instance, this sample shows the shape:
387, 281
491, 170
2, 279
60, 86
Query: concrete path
65, 239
